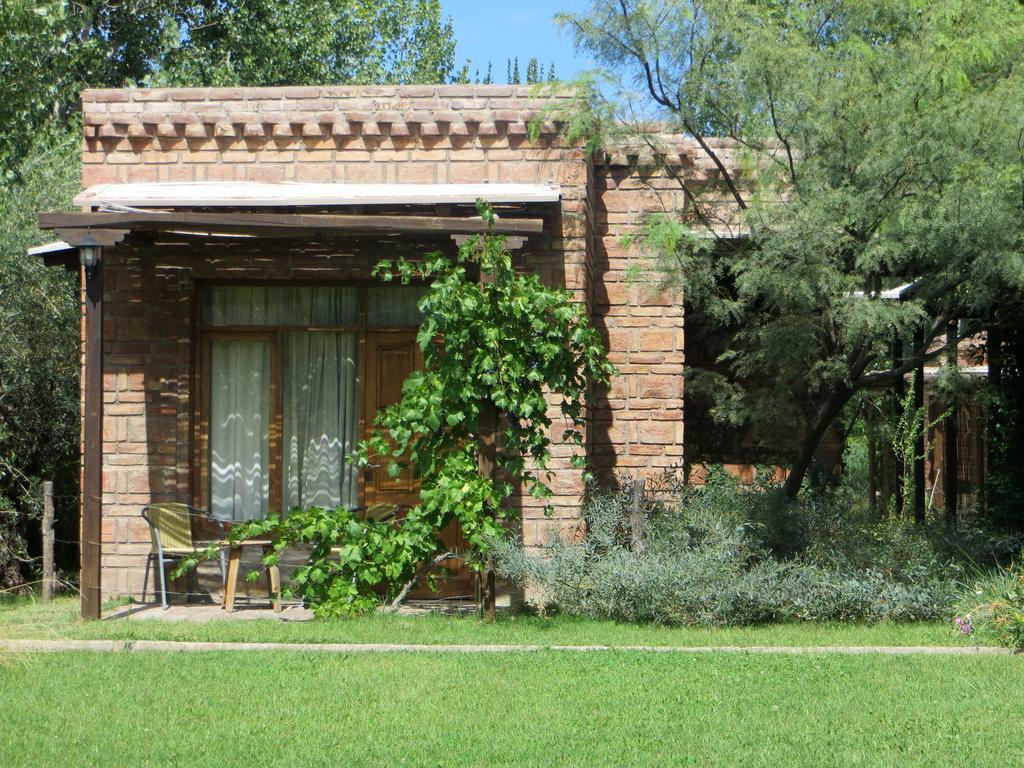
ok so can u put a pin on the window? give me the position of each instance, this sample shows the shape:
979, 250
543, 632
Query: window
283, 394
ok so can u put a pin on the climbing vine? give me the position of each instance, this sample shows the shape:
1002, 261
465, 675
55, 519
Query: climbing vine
494, 341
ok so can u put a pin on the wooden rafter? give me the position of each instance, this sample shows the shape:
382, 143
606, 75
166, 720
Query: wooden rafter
278, 224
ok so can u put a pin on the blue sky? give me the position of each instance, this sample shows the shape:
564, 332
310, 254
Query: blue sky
486, 30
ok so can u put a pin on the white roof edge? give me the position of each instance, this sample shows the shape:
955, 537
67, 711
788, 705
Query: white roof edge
934, 371
55, 247
253, 193
891, 294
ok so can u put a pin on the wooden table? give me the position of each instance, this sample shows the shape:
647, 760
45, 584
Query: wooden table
234, 564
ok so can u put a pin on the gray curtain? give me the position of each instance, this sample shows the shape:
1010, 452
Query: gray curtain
320, 419
388, 305
239, 429
280, 305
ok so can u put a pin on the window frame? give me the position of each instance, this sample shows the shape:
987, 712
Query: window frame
204, 333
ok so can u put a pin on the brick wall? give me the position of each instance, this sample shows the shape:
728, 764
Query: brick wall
413, 134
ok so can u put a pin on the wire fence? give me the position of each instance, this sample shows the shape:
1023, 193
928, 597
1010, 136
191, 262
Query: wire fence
18, 537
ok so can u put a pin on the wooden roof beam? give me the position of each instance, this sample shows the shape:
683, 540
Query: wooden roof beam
277, 224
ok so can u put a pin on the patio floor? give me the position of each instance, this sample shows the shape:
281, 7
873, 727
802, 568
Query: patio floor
261, 609
201, 612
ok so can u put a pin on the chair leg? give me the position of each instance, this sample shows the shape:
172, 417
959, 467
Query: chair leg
163, 582
145, 578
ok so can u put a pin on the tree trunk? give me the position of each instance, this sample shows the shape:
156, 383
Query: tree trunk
812, 439
869, 421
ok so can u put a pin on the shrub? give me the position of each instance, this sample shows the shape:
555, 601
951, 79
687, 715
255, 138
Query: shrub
993, 606
720, 555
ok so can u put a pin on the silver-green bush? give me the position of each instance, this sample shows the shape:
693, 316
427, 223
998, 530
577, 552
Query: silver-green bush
721, 555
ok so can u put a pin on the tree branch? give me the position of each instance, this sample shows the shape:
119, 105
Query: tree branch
778, 132
921, 355
395, 604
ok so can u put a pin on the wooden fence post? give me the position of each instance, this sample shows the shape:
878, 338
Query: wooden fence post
48, 582
636, 519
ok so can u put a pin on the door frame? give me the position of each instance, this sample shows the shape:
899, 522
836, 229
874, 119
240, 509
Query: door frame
203, 333
372, 342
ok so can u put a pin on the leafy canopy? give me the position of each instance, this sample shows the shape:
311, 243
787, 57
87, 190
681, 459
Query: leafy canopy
873, 144
39, 348
51, 49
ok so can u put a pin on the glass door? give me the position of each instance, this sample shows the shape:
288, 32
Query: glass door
321, 420
239, 426
283, 403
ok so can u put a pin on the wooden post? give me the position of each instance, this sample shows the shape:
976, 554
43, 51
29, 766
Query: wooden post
899, 392
993, 351
950, 489
869, 428
92, 431
487, 454
48, 583
919, 436
636, 519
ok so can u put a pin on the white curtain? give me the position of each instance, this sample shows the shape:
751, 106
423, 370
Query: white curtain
320, 419
239, 429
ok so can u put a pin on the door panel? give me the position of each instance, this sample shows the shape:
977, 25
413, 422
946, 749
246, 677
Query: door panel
390, 358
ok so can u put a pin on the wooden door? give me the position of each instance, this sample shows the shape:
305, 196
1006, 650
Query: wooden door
390, 358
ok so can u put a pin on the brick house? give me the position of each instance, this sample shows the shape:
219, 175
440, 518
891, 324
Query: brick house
225, 242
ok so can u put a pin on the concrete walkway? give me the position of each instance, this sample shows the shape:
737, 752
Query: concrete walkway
118, 646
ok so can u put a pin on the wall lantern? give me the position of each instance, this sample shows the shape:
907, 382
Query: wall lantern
89, 254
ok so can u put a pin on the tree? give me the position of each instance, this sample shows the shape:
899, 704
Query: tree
532, 71
51, 49
878, 144
39, 312
322, 42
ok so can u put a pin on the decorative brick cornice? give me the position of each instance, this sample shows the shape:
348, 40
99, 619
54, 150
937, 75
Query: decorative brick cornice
324, 112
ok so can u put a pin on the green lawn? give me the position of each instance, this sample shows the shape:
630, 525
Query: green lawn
523, 709
30, 619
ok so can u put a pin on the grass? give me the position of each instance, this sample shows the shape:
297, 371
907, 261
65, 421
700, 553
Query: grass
23, 618
546, 708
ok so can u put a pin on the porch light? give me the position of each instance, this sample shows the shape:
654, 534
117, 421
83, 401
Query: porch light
88, 253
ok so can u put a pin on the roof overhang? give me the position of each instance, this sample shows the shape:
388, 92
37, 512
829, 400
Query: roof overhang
110, 228
899, 293
285, 210
56, 254
56, 247
251, 194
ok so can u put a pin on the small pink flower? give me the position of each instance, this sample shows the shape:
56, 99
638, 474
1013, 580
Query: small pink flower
963, 623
